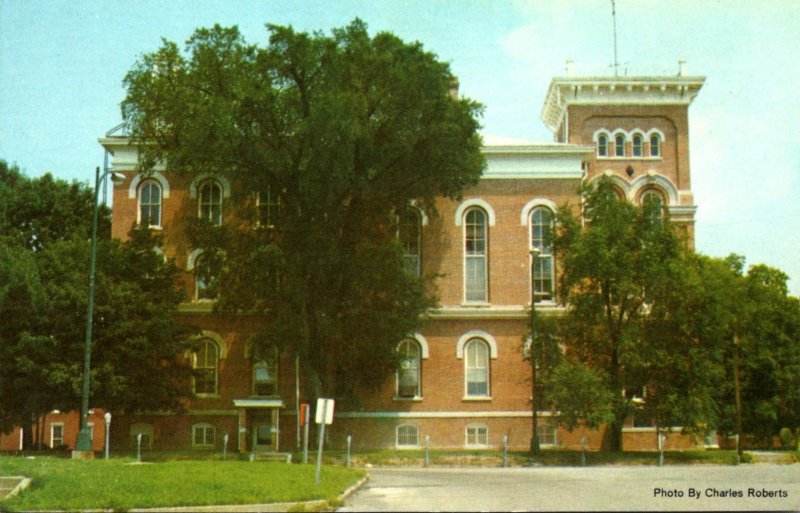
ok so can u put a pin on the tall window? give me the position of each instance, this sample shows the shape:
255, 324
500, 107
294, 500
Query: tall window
410, 237
150, 203
407, 436
477, 435
56, 435
210, 203
265, 377
655, 146
206, 278
547, 432
541, 232
619, 145
409, 374
637, 146
205, 362
475, 255
203, 435
267, 204
476, 363
602, 146
653, 203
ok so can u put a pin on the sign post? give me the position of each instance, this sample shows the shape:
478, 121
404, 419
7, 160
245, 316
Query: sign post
304, 413
324, 416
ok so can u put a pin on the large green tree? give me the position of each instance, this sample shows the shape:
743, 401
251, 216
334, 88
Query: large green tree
342, 132
44, 264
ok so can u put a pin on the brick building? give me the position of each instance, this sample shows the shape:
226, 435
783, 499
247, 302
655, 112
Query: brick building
464, 382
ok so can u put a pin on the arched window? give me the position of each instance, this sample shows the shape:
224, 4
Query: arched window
653, 203
407, 436
655, 145
475, 251
206, 278
265, 377
150, 204
543, 269
619, 145
638, 150
476, 366
602, 145
210, 202
205, 365
409, 374
410, 235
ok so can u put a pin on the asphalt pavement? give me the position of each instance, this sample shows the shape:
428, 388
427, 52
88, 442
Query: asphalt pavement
611, 488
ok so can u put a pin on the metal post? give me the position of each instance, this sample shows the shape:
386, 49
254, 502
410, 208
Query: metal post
321, 440
427, 450
349, 440
505, 451
583, 450
225, 446
661, 441
535, 448
107, 418
305, 440
738, 457
253, 447
139, 447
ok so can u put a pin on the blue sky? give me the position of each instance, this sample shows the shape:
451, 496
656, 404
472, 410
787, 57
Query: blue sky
62, 65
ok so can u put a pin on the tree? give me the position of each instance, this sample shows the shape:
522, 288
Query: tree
43, 276
611, 265
343, 131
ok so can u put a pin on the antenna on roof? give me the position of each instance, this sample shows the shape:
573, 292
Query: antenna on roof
614, 20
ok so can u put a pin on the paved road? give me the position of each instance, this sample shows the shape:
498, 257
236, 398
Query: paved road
774, 488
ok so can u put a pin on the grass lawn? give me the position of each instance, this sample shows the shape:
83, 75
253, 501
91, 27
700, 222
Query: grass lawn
121, 484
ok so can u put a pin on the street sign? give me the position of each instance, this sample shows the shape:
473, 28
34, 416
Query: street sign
304, 414
324, 411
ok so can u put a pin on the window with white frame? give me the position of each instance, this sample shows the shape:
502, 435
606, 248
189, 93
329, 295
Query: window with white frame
205, 365
655, 145
206, 278
267, 207
203, 435
150, 203
475, 253
407, 436
409, 373
547, 432
477, 435
476, 368
410, 235
56, 434
265, 377
543, 268
602, 145
619, 145
210, 202
638, 146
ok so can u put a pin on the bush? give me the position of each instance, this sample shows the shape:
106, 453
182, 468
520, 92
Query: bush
787, 438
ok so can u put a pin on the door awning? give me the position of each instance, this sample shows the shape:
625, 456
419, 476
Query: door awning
258, 403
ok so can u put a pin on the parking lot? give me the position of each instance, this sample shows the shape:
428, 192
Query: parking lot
640, 488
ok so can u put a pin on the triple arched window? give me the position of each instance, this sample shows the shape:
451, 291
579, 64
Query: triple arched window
476, 283
633, 144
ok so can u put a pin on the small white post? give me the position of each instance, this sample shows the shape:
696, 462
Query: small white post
225, 446
107, 418
505, 451
349, 440
427, 450
139, 447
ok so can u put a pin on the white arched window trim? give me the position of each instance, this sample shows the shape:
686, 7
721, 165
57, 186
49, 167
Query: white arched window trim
133, 188
199, 179
486, 337
617, 180
474, 202
601, 131
653, 180
423, 345
655, 131
525, 214
192, 260
422, 216
217, 339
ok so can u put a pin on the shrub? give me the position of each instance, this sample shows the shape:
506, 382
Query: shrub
787, 438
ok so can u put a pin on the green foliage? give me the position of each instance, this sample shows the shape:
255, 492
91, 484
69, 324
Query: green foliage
787, 438
580, 394
44, 265
344, 130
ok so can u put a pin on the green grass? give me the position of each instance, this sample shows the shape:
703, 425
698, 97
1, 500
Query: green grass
120, 484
